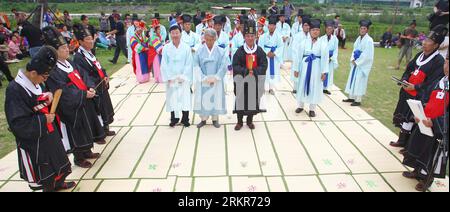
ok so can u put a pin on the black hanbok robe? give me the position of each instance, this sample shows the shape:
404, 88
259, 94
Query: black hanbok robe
424, 77
88, 64
80, 125
244, 105
41, 154
422, 149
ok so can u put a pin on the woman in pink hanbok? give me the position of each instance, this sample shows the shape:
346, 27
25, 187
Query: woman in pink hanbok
158, 43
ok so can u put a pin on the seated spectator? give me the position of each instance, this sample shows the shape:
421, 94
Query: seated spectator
386, 39
22, 42
5, 31
104, 23
4, 49
65, 33
396, 40
14, 52
68, 20
422, 36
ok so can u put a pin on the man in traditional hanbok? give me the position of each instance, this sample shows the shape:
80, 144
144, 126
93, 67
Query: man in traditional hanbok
189, 37
361, 65
97, 77
79, 124
210, 63
143, 54
428, 155
272, 44
420, 76
207, 22
227, 26
238, 38
130, 32
176, 70
310, 64
223, 38
249, 70
297, 39
157, 42
333, 44
43, 162
262, 28
162, 28
297, 26
284, 29
203, 25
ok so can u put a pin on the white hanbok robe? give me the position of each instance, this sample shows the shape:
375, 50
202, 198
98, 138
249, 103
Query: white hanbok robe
199, 28
223, 41
209, 100
310, 92
297, 39
333, 52
296, 28
272, 43
359, 75
130, 33
176, 64
285, 30
237, 41
191, 39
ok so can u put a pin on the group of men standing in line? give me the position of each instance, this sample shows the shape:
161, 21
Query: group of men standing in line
207, 65
194, 67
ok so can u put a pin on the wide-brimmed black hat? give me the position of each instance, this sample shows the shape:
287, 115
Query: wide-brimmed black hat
53, 37
44, 61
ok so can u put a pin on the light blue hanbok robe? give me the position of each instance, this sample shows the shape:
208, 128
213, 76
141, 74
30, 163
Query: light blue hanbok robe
333, 51
297, 39
272, 43
285, 31
209, 100
227, 26
359, 75
130, 33
176, 64
316, 58
236, 43
296, 28
163, 32
223, 42
191, 39
199, 29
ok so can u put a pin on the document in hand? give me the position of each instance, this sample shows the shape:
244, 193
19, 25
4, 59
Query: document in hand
417, 109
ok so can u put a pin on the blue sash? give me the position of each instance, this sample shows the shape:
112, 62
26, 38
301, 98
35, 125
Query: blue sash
309, 59
356, 55
271, 60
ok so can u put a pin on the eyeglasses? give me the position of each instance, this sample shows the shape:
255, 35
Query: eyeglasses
45, 75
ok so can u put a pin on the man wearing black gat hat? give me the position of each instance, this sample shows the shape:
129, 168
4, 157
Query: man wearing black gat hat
98, 79
419, 76
76, 109
361, 65
424, 151
43, 162
249, 65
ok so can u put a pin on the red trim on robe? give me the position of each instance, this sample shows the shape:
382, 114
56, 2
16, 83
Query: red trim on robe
416, 78
75, 79
435, 106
